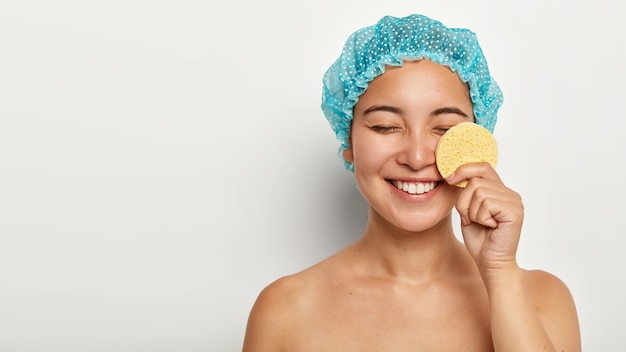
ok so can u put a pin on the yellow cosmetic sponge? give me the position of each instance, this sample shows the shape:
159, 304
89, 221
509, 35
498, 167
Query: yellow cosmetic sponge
465, 143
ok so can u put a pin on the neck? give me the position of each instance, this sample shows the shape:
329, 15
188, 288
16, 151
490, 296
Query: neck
398, 254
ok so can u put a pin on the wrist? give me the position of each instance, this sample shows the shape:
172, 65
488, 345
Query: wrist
503, 278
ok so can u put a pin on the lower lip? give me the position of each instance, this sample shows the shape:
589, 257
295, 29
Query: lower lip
415, 197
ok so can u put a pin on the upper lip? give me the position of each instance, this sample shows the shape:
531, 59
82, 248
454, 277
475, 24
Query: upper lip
413, 179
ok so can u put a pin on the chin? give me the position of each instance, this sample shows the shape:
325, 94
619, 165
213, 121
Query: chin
416, 223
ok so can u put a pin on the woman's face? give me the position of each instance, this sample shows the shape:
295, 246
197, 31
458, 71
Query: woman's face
396, 126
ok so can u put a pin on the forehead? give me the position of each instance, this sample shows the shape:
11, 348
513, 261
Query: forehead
418, 72
418, 82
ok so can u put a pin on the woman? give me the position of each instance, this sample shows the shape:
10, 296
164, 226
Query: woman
408, 284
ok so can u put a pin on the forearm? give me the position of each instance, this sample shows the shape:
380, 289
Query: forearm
515, 323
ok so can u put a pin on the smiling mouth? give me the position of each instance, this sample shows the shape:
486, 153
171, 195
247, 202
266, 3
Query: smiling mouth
414, 187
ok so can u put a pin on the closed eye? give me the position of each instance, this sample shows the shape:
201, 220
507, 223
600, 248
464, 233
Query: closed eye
441, 130
384, 129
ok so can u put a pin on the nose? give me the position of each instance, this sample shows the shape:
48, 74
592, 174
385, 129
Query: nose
417, 151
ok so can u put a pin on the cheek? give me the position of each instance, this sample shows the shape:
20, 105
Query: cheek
370, 152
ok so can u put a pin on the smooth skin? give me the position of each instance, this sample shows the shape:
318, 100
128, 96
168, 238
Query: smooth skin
408, 284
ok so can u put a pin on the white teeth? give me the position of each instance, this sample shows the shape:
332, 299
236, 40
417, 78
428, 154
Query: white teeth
415, 187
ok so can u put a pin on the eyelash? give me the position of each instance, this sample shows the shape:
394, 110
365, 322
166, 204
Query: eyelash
383, 129
389, 129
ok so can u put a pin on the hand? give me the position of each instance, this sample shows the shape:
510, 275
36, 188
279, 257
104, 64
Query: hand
491, 217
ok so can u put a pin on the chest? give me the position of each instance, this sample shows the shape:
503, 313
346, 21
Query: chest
439, 320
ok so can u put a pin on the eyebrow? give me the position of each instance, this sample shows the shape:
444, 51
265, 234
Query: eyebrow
386, 108
448, 110
398, 111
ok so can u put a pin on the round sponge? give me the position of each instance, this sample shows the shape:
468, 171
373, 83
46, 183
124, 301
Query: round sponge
465, 143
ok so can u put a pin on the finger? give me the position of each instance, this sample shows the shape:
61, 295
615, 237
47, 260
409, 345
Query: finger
473, 170
485, 213
492, 204
484, 196
463, 203
476, 200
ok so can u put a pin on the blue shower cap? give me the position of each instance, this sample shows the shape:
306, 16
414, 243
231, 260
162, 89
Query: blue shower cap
392, 40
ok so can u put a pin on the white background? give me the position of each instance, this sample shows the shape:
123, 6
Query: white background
163, 161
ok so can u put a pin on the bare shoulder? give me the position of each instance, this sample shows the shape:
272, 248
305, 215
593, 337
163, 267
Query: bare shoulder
288, 294
545, 288
555, 307
278, 307
272, 314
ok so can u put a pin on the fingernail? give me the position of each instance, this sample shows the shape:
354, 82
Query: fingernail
450, 177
